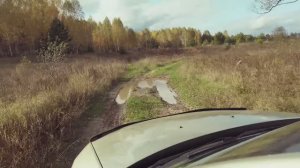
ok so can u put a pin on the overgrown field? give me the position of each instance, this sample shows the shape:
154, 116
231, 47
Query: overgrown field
261, 77
39, 101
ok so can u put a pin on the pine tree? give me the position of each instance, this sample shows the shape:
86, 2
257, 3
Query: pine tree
58, 32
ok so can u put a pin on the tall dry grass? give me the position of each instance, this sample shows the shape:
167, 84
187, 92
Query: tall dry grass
261, 77
39, 101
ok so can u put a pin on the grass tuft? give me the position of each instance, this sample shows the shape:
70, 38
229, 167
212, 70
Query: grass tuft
142, 108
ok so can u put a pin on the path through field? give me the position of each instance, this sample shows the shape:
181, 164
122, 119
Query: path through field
108, 112
90, 125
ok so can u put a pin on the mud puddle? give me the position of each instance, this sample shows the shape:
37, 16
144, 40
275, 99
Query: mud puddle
164, 91
124, 94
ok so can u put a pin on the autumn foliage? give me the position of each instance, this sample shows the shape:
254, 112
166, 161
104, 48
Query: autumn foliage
27, 25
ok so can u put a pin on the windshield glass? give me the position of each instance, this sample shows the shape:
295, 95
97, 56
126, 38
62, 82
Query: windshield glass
269, 144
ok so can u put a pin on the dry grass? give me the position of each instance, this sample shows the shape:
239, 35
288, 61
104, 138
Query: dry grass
39, 101
263, 77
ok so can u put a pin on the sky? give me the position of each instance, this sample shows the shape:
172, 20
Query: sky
214, 15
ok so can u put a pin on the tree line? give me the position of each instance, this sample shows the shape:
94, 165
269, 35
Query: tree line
29, 25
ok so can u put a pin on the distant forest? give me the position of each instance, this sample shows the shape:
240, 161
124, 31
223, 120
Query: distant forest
30, 25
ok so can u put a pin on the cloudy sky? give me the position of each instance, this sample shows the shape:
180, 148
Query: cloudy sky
214, 15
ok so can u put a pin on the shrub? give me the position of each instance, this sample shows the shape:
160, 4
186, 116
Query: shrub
219, 38
259, 41
54, 52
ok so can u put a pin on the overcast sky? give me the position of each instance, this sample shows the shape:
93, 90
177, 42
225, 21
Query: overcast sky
215, 15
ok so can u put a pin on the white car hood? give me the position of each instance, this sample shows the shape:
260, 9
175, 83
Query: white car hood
133, 143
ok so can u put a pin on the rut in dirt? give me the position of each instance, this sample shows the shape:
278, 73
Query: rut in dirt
112, 114
88, 126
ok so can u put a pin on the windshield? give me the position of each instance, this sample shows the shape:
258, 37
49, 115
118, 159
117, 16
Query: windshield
270, 144
183, 159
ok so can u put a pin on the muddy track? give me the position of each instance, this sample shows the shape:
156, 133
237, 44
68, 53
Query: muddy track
89, 126
103, 120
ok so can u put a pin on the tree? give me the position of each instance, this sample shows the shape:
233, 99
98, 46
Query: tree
176, 38
10, 27
162, 38
118, 35
295, 35
261, 37
184, 37
206, 37
131, 38
191, 37
107, 35
58, 32
97, 38
230, 40
280, 32
145, 38
249, 38
72, 8
266, 6
268, 37
240, 38
219, 38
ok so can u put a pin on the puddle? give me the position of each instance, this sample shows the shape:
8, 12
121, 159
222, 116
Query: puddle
124, 94
164, 91
146, 84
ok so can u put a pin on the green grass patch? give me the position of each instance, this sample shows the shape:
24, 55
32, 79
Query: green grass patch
167, 70
193, 89
135, 70
147, 67
142, 108
199, 92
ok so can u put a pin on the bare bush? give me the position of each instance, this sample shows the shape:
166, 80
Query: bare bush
54, 52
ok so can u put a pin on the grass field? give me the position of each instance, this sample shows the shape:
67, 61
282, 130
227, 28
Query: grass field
39, 101
257, 77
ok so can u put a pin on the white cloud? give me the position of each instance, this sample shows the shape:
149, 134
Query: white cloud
153, 13
214, 15
267, 23
90, 6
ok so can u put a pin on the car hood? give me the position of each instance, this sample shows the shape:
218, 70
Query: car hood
132, 143
290, 160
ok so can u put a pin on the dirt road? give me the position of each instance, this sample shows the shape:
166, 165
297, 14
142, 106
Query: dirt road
105, 114
102, 116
